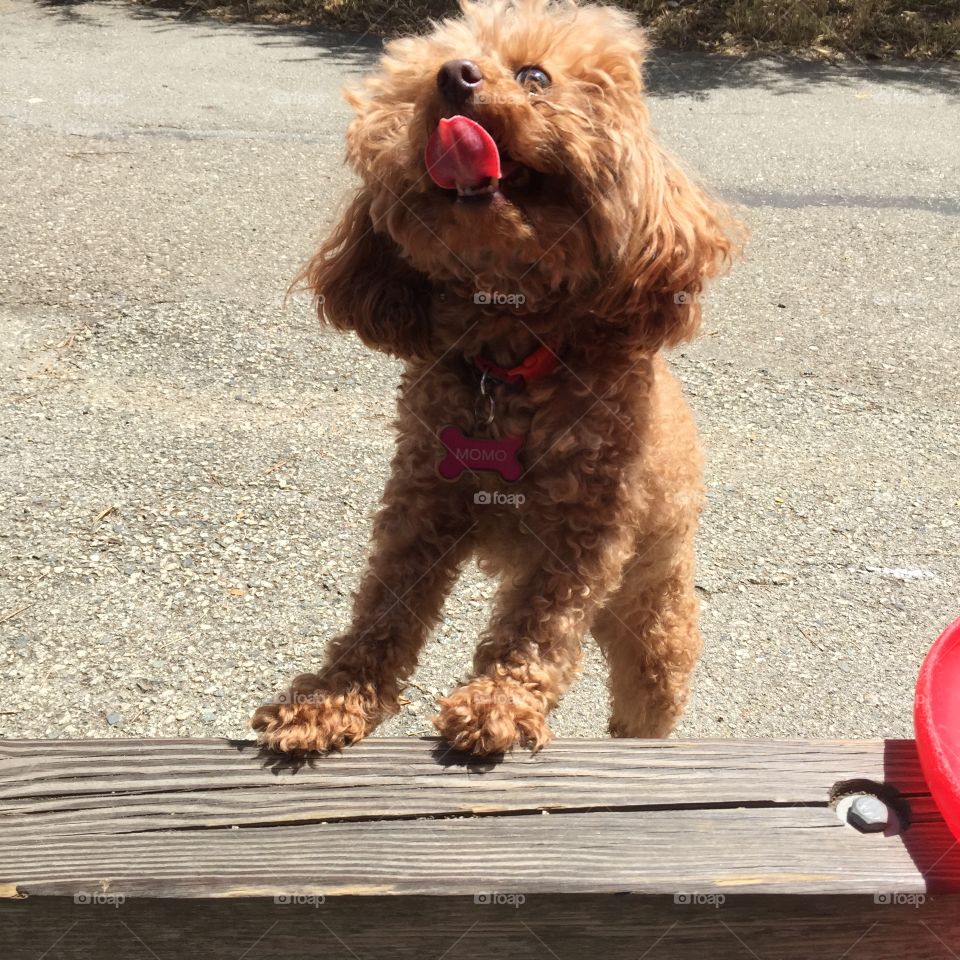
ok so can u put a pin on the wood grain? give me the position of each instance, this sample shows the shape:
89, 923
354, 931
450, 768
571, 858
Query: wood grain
124, 849
555, 927
214, 782
206, 819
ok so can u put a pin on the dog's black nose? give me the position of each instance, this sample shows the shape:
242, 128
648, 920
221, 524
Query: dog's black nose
457, 79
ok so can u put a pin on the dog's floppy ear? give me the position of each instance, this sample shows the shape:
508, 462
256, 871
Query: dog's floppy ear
680, 239
361, 283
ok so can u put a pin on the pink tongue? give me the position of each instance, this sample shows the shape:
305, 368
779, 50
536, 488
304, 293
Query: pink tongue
461, 152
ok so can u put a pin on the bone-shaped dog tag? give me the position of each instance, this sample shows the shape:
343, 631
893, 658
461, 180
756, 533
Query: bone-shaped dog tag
469, 453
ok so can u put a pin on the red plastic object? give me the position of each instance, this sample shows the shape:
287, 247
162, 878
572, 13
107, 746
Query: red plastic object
936, 719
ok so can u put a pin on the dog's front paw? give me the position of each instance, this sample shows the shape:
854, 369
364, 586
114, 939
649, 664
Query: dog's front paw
488, 716
309, 718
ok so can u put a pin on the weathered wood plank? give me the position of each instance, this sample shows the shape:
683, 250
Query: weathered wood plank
219, 819
750, 850
571, 927
108, 786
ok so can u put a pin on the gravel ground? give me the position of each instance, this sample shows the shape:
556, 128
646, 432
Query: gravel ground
188, 466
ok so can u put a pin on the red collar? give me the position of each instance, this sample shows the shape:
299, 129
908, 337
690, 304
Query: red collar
539, 365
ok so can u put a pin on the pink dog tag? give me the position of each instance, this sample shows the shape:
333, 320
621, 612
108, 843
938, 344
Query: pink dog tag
469, 453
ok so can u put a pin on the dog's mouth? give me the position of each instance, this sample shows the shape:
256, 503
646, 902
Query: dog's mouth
462, 156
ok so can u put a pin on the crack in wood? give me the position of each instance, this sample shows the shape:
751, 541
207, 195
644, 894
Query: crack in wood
447, 815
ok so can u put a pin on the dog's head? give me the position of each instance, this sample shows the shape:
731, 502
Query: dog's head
509, 151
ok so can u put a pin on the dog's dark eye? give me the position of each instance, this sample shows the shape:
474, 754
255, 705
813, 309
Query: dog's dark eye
533, 78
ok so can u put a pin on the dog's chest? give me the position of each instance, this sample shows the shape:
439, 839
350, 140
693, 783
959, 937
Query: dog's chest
500, 436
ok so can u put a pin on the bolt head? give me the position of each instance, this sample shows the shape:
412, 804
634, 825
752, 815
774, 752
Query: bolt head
868, 814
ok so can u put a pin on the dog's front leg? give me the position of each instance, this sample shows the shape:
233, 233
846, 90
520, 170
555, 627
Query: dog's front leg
420, 538
531, 650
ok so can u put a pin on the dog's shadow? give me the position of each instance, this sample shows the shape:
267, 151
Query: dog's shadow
446, 756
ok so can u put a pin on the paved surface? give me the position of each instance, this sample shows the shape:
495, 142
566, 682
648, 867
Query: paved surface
187, 468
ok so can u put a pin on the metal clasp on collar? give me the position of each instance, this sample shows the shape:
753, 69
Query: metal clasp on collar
486, 406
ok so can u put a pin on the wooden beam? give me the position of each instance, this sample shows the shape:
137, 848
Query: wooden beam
613, 841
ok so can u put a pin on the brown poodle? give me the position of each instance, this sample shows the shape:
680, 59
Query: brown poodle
524, 245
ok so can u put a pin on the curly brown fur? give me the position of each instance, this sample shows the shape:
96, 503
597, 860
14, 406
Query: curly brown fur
604, 254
